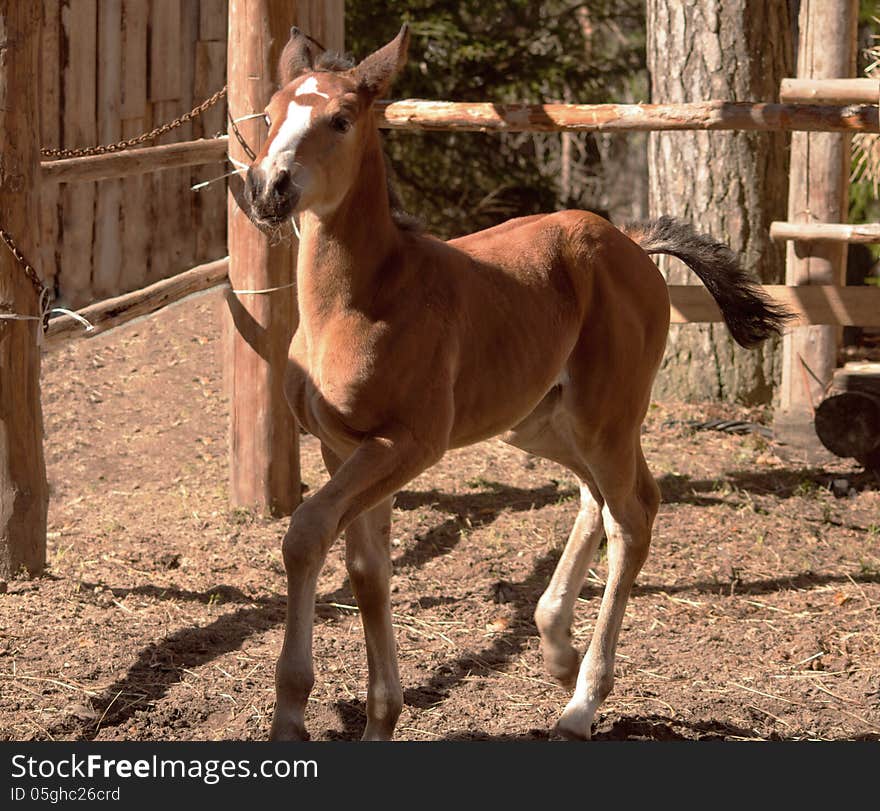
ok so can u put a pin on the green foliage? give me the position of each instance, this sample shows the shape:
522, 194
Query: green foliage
515, 50
868, 10
863, 203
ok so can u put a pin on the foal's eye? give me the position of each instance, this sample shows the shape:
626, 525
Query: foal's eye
267, 120
340, 123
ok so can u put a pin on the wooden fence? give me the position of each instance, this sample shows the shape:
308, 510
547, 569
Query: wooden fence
111, 70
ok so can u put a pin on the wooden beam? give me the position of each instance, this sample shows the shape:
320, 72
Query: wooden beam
489, 117
24, 494
830, 91
832, 232
114, 312
817, 194
135, 161
689, 304
412, 114
264, 437
812, 304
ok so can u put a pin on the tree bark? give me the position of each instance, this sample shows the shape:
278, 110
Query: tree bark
23, 489
730, 185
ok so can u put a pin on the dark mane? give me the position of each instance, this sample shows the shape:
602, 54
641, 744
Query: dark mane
403, 220
333, 62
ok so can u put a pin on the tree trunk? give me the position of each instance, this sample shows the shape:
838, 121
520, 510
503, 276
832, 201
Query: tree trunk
731, 185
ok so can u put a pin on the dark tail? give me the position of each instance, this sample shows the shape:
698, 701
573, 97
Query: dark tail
750, 316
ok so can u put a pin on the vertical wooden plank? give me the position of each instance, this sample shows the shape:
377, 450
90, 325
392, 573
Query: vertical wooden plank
137, 191
181, 233
79, 20
817, 193
50, 135
264, 450
209, 204
23, 489
135, 22
324, 20
165, 90
213, 16
165, 50
107, 272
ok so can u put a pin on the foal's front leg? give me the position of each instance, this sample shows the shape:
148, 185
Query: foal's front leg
376, 470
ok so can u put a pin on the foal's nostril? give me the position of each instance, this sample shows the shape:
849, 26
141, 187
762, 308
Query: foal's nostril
281, 183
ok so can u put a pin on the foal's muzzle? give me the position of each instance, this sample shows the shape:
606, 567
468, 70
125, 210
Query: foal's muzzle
273, 198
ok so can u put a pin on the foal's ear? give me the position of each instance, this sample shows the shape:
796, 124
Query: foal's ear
375, 74
298, 56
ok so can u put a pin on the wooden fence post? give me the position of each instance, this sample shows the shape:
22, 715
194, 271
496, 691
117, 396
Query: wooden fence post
23, 490
817, 193
264, 439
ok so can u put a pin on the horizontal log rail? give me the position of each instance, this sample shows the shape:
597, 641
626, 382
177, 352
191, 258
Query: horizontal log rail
812, 304
411, 114
830, 91
111, 313
825, 231
134, 161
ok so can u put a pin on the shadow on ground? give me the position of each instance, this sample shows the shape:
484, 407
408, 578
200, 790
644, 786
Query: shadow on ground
162, 663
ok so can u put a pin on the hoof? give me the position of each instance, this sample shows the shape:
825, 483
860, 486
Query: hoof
573, 725
381, 729
375, 736
288, 732
568, 734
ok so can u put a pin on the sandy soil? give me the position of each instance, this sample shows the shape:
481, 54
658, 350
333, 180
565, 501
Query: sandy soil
160, 615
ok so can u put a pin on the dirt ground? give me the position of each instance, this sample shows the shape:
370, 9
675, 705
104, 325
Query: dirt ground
757, 615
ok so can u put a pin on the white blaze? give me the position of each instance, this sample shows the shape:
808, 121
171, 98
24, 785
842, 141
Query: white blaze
310, 85
295, 126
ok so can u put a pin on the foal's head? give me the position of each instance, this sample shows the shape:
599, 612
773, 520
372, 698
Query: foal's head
319, 123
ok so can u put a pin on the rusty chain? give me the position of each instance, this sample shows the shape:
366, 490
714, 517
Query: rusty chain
119, 146
34, 277
103, 149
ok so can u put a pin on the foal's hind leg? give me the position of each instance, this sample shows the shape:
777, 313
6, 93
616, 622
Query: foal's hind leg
368, 560
541, 434
555, 610
631, 501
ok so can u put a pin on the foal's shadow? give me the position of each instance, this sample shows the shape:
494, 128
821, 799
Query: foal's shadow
468, 511
481, 508
491, 659
628, 728
159, 665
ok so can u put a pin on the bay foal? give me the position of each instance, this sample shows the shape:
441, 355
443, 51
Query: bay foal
547, 330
